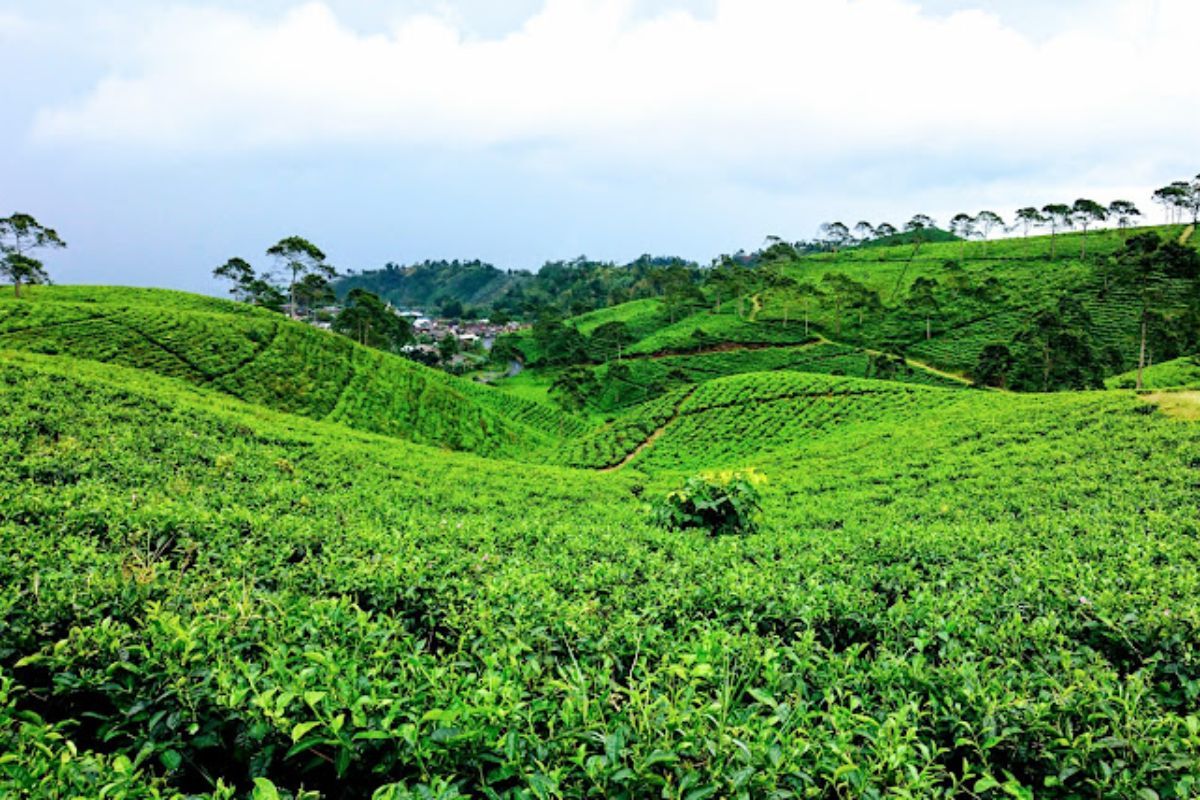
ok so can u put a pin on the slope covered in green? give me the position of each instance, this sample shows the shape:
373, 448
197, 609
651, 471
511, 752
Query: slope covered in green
983, 293
952, 593
262, 358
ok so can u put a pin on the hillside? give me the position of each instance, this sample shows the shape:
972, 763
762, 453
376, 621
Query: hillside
953, 593
979, 294
263, 358
576, 286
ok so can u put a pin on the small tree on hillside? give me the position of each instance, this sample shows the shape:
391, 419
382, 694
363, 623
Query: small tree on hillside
20, 235
299, 257
885, 229
1085, 213
368, 320
864, 231
238, 272
610, 339
992, 368
922, 300
1058, 217
1146, 265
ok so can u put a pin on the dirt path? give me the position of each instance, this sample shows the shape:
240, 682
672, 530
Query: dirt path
1186, 236
652, 438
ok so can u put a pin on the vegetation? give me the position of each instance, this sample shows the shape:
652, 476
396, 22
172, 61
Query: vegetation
248, 558
950, 592
720, 503
20, 235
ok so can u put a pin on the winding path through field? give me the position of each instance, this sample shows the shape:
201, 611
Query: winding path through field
649, 440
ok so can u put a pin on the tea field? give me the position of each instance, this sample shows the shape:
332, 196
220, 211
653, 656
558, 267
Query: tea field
252, 560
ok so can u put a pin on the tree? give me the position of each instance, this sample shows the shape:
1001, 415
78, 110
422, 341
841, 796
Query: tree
312, 291
448, 348
617, 377
452, 308
573, 387
610, 339
20, 235
919, 226
1125, 212
20, 268
993, 365
1141, 268
864, 231
923, 301
1084, 213
1054, 351
885, 229
557, 342
962, 226
238, 272
1146, 264
835, 234
1058, 216
986, 222
299, 257
806, 293
368, 320
679, 290
1028, 218
847, 293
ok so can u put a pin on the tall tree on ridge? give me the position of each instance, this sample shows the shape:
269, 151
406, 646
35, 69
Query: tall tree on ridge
1084, 213
884, 230
962, 226
919, 226
299, 257
1058, 216
20, 235
864, 231
986, 222
1125, 212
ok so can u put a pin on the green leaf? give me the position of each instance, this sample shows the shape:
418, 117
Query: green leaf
170, 759
264, 790
301, 728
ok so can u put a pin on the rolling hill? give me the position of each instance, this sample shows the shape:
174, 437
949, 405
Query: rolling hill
262, 358
952, 592
984, 293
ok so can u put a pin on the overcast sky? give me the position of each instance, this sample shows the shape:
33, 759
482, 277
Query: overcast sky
161, 138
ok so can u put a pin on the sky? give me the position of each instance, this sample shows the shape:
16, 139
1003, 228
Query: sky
161, 138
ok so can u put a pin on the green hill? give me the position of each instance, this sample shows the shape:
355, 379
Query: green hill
981, 294
262, 358
953, 593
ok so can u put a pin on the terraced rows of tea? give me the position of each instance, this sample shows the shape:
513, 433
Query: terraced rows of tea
289, 367
267, 575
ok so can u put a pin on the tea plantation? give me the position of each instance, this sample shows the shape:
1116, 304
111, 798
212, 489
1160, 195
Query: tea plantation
245, 558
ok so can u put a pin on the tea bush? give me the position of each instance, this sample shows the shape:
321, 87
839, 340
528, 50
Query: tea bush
718, 502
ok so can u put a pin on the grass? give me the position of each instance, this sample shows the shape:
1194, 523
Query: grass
953, 593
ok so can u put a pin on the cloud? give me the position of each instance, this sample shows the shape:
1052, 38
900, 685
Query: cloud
758, 85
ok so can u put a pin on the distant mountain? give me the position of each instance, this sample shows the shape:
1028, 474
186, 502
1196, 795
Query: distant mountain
572, 287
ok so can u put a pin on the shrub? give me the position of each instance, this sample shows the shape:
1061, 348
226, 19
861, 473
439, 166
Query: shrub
719, 502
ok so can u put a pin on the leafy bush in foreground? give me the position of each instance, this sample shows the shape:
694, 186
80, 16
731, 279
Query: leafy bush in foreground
720, 503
